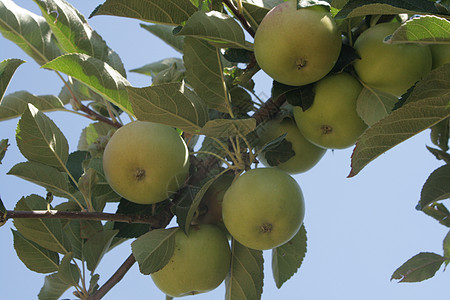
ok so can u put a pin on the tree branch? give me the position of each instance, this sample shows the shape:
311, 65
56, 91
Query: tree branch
240, 17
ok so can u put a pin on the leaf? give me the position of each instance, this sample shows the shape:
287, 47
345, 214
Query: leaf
75, 164
373, 105
228, 127
7, 69
419, 267
287, 258
132, 230
35, 257
446, 246
278, 151
3, 148
165, 33
355, 8
96, 246
172, 104
171, 12
423, 30
169, 75
74, 34
245, 280
436, 187
72, 231
439, 154
219, 29
91, 133
439, 212
258, 9
159, 66
399, 126
28, 31
68, 272
48, 233
13, 105
154, 249
309, 3
204, 71
440, 134
97, 75
53, 288
93, 283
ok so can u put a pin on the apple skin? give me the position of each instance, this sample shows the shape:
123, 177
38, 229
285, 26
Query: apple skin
307, 155
440, 54
146, 162
297, 47
199, 264
392, 68
263, 208
332, 121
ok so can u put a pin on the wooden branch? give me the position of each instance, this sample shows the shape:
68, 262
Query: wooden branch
240, 17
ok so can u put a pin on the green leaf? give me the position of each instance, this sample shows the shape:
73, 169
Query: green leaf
171, 12
53, 288
165, 33
154, 249
3, 148
68, 272
423, 30
75, 164
204, 71
97, 75
440, 134
13, 105
258, 9
228, 127
278, 151
355, 8
373, 105
28, 31
446, 246
419, 267
35, 257
436, 187
96, 246
93, 284
172, 104
91, 133
48, 233
133, 230
439, 212
439, 154
287, 258
399, 126
169, 75
217, 28
79, 91
86, 184
7, 69
73, 233
246, 277
159, 66
74, 34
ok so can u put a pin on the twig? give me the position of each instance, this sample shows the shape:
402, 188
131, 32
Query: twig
269, 109
240, 17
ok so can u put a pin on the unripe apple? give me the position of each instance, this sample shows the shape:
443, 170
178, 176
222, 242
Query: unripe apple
297, 46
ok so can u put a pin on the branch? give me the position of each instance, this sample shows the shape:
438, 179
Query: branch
269, 109
96, 116
240, 17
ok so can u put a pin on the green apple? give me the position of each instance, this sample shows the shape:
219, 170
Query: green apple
440, 54
263, 208
392, 68
146, 162
297, 46
199, 264
332, 121
306, 156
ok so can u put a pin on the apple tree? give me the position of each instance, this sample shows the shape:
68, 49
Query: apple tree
362, 74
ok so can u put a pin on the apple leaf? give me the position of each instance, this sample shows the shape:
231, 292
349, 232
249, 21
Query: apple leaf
7, 69
423, 30
154, 68
53, 288
204, 71
446, 246
92, 133
93, 284
309, 3
258, 9
278, 151
68, 272
172, 104
96, 246
48, 233
355, 8
28, 31
228, 127
35, 257
439, 212
154, 249
152, 11
97, 75
165, 33
3, 148
436, 187
439, 154
73, 233
246, 277
287, 258
74, 34
134, 230
217, 28
419, 267
440, 134
373, 105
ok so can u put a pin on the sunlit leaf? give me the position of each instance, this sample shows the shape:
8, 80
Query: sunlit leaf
423, 30
446, 246
228, 127
7, 69
154, 68
3, 148
373, 105
419, 267
91, 133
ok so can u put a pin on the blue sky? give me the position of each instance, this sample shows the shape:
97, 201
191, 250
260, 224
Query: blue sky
359, 230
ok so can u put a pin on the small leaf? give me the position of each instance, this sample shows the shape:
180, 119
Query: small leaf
91, 133
439, 154
245, 280
297, 96
440, 134
7, 69
423, 30
436, 187
154, 249
35, 257
72, 231
53, 288
169, 75
133, 230
96, 246
165, 33
439, 212
419, 267
287, 258
3, 147
159, 66
93, 283
75, 164
228, 127
68, 272
258, 9
86, 184
373, 105
40, 140
278, 151
446, 246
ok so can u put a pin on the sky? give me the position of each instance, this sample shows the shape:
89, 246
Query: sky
359, 229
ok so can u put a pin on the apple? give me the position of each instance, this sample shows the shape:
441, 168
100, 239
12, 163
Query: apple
392, 68
332, 121
306, 156
263, 208
146, 162
199, 264
297, 46
440, 54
